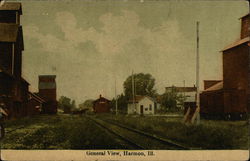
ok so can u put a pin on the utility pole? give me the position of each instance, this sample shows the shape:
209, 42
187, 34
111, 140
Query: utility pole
116, 109
197, 76
184, 85
133, 89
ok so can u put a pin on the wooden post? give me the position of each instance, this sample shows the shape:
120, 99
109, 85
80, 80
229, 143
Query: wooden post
186, 115
133, 89
116, 108
197, 111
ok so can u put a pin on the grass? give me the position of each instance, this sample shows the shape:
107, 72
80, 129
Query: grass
208, 135
57, 132
78, 132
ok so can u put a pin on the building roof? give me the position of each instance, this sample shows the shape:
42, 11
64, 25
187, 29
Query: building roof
11, 6
182, 89
101, 99
237, 43
210, 83
23, 80
217, 86
140, 97
8, 32
245, 15
47, 76
36, 97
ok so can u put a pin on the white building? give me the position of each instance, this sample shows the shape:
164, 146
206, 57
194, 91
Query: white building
189, 93
144, 105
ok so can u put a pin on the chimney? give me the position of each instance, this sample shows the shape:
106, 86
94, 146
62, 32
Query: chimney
100, 96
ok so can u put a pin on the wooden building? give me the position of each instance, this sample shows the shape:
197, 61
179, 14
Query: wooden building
142, 105
13, 88
189, 93
230, 98
101, 105
47, 91
35, 104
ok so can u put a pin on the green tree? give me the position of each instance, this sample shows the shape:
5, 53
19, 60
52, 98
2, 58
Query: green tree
87, 104
170, 100
66, 104
144, 85
122, 102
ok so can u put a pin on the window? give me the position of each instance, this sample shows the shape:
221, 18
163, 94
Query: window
150, 107
146, 109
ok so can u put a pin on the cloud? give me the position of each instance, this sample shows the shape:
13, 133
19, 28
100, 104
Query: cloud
118, 31
122, 44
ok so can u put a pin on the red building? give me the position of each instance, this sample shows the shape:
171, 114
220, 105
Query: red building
230, 98
13, 88
47, 91
101, 105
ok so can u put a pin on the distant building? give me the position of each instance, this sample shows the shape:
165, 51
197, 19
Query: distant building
188, 93
142, 105
231, 98
47, 91
101, 105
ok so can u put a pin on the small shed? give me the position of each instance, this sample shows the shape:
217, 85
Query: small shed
101, 105
142, 105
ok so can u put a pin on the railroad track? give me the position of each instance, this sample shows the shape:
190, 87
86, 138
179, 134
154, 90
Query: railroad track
137, 138
12, 130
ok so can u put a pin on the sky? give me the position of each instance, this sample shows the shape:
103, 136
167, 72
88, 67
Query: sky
91, 44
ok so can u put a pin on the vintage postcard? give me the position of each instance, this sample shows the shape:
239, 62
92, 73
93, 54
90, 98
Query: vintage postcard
124, 80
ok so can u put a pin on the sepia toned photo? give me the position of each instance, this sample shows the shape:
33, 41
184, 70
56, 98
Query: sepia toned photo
124, 79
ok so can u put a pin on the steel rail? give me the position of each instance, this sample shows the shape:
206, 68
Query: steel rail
163, 140
117, 134
153, 137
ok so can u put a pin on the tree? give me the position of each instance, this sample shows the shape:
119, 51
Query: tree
87, 104
144, 85
65, 104
171, 99
122, 102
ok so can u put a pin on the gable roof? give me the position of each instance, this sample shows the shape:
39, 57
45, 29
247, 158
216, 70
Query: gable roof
215, 87
237, 43
101, 99
8, 32
11, 6
245, 15
138, 98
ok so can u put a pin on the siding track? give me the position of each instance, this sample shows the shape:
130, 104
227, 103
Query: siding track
137, 138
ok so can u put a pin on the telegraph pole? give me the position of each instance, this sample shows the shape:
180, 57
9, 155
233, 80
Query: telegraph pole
184, 85
133, 89
116, 109
197, 76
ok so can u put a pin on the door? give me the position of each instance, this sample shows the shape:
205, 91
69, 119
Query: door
141, 109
